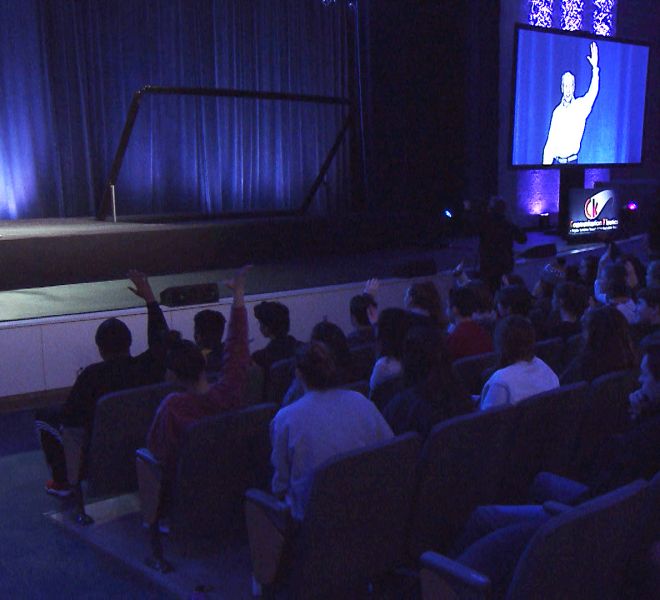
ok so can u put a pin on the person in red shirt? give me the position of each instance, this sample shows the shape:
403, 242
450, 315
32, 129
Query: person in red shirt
185, 366
467, 337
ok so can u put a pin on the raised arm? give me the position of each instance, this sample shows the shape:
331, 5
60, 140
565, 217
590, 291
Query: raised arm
592, 92
157, 326
228, 391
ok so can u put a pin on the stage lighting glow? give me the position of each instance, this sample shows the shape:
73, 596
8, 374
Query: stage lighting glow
632, 205
571, 14
540, 13
603, 23
448, 213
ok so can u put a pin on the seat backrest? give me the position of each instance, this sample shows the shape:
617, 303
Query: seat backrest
356, 518
546, 432
362, 360
471, 371
279, 378
550, 352
121, 423
605, 414
221, 457
461, 466
582, 553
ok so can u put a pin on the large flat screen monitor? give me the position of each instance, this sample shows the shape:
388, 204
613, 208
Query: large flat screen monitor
591, 212
577, 99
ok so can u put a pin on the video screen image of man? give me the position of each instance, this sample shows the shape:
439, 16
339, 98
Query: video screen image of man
569, 118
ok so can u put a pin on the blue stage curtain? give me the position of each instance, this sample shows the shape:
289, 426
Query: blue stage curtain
69, 70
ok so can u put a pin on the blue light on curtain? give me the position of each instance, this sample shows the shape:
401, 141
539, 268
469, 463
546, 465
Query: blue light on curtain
69, 70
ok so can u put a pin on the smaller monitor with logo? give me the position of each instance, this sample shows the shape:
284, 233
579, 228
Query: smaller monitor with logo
592, 211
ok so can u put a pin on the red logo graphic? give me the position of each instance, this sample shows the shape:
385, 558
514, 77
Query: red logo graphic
594, 205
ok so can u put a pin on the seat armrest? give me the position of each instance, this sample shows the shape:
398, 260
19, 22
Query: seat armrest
74, 440
150, 484
548, 486
442, 577
270, 526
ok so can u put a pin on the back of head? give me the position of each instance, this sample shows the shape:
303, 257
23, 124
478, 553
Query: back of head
359, 306
209, 328
464, 300
316, 366
334, 339
186, 361
572, 298
393, 325
483, 295
423, 350
113, 337
274, 316
514, 340
650, 295
497, 206
425, 295
608, 346
515, 298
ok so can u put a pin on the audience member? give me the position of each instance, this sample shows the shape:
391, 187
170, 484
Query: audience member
118, 370
467, 337
496, 237
513, 300
647, 314
185, 365
588, 272
423, 302
363, 331
209, 329
431, 391
607, 346
393, 323
520, 373
325, 422
335, 341
274, 324
569, 302
540, 313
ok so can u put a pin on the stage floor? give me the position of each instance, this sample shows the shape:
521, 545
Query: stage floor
97, 292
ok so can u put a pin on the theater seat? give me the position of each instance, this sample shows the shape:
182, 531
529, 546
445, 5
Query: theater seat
354, 529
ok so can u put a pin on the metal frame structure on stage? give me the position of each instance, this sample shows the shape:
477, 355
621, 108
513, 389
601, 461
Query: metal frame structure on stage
107, 204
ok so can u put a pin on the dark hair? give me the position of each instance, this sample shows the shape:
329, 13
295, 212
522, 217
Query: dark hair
650, 295
334, 338
637, 265
653, 361
316, 365
515, 279
572, 297
514, 340
464, 300
186, 361
113, 337
209, 328
608, 346
359, 306
425, 295
482, 293
273, 315
393, 325
426, 366
516, 298
591, 263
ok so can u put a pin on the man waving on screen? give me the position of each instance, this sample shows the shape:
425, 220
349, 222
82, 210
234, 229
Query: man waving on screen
570, 117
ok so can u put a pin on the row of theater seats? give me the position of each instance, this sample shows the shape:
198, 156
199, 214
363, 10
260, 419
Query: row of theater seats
374, 510
489, 457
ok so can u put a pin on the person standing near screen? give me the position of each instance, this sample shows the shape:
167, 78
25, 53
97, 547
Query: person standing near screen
570, 117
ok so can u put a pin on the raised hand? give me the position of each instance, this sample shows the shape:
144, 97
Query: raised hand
371, 287
141, 286
593, 59
237, 284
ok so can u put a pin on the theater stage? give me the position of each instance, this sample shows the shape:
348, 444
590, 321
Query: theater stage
55, 267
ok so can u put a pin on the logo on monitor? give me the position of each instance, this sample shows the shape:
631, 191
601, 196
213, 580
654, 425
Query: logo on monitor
595, 204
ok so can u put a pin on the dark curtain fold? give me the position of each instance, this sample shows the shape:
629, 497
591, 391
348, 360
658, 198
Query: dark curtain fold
69, 69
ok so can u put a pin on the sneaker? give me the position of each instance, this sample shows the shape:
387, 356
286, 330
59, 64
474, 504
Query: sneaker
55, 488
